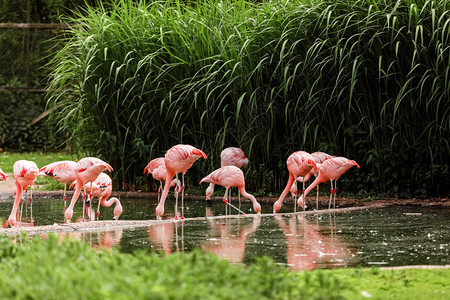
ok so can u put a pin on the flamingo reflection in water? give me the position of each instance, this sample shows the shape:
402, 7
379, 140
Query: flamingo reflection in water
161, 236
229, 237
308, 248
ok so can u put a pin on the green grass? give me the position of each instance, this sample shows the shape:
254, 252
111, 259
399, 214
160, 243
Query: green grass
70, 269
405, 284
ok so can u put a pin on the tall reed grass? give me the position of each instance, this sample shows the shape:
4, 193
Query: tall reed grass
364, 79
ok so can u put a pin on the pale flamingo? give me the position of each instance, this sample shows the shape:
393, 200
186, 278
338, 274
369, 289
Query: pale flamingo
87, 170
178, 159
62, 171
25, 174
231, 176
299, 164
102, 188
157, 168
231, 156
3, 175
330, 170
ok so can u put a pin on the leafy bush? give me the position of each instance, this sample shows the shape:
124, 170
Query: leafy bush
38, 269
363, 79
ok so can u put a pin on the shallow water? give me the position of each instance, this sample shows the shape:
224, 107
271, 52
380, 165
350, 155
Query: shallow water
383, 237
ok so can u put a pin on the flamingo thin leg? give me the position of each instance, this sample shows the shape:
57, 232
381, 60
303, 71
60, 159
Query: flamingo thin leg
331, 194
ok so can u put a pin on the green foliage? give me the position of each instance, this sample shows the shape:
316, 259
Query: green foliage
368, 80
395, 284
24, 52
38, 269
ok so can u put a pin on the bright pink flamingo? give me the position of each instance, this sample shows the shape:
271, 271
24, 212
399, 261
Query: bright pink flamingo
62, 171
178, 159
157, 167
299, 164
231, 176
3, 175
25, 173
330, 170
87, 170
102, 188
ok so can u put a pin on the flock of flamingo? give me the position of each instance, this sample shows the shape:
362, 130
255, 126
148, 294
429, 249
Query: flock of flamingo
88, 174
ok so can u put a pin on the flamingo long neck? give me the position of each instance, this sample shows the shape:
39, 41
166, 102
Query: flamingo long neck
319, 179
169, 176
76, 194
108, 203
287, 188
247, 195
19, 191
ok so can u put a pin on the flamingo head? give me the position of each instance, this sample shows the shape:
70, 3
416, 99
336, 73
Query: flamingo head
276, 206
245, 162
159, 211
199, 153
354, 163
68, 214
301, 203
117, 209
209, 191
257, 208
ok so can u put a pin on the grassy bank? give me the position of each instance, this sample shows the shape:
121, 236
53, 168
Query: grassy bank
54, 269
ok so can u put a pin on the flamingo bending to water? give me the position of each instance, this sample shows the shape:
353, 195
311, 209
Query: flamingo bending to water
178, 159
299, 164
319, 158
86, 170
62, 171
330, 170
102, 188
25, 174
231, 156
231, 176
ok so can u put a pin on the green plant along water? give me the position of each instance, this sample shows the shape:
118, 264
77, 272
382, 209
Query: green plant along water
384, 237
368, 80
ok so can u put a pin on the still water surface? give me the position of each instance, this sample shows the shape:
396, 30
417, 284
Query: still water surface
383, 237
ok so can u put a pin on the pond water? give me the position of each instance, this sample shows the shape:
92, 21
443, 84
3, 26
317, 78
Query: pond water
383, 237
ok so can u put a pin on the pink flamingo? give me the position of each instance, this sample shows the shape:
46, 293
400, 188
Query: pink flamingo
178, 159
231, 176
25, 174
3, 175
330, 170
319, 158
87, 170
101, 188
62, 171
157, 167
299, 164
231, 156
